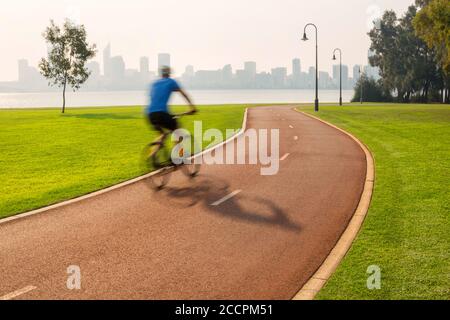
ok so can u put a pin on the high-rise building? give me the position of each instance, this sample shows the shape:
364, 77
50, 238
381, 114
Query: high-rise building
371, 72
344, 75
189, 71
188, 75
107, 61
208, 78
296, 67
336, 73
117, 68
23, 70
324, 79
163, 60
279, 76
144, 65
356, 72
250, 68
29, 77
247, 78
227, 73
311, 77
295, 79
94, 68
263, 81
94, 78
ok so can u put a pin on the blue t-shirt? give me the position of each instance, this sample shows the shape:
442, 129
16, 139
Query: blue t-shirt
160, 94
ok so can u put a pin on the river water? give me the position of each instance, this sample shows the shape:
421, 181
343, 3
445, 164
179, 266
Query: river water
127, 98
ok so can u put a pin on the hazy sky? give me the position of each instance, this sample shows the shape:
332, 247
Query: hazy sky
205, 33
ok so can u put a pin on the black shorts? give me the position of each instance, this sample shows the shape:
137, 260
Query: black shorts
163, 120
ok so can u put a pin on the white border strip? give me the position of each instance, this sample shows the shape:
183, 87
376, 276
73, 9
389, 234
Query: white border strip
17, 293
120, 185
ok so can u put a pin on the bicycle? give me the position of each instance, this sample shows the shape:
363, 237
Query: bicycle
158, 156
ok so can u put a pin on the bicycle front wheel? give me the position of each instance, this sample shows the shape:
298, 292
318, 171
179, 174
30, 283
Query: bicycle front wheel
191, 163
156, 157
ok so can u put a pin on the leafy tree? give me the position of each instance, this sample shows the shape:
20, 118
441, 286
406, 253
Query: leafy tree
387, 52
432, 24
372, 91
67, 55
407, 65
421, 67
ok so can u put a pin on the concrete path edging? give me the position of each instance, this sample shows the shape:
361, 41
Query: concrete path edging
120, 185
329, 266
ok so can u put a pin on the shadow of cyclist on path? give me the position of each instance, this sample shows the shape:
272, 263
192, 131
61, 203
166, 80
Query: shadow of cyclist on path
206, 190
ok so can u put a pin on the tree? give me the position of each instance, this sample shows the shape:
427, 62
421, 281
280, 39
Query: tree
387, 52
407, 65
67, 56
421, 67
372, 90
432, 24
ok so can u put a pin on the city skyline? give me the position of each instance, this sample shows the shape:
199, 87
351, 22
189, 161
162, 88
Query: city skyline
111, 73
193, 37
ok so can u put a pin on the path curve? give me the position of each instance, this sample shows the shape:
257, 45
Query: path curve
335, 257
263, 241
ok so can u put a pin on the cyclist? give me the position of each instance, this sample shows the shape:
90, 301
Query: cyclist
157, 111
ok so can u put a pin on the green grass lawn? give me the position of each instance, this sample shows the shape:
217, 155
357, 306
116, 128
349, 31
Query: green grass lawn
47, 157
407, 230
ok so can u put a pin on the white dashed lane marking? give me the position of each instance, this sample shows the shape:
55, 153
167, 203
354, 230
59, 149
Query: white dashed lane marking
231, 195
284, 157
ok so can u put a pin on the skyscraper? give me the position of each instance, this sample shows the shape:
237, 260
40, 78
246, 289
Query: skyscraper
311, 77
296, 67
94, 68
324, 79
107, 61
163, 60
372, 72
344, 75
279, 77
144, 65
189, 71
30, 77
249, 75
117, 68
250, 68
23, 70
336, 73
227, 72
356, 70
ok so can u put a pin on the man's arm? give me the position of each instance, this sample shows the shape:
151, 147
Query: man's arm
188, 100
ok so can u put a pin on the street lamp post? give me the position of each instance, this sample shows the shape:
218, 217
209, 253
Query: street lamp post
340, 72
361, 83
305, 38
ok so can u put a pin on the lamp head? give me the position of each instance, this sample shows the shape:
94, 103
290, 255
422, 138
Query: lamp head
305, 38
334, 56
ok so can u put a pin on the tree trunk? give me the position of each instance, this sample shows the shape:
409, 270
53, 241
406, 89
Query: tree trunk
408, 97
64, 98
400, 96
425, 94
